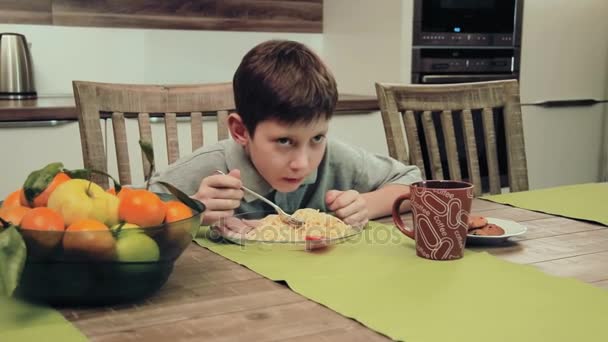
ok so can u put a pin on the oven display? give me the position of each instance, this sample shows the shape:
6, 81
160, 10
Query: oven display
468, 16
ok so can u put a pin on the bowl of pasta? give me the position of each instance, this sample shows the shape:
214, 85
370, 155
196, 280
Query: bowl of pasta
267, 230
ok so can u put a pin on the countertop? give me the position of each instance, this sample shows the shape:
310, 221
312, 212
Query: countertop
62, 107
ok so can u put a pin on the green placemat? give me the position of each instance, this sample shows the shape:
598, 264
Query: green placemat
377, 280
583, 201
21, 321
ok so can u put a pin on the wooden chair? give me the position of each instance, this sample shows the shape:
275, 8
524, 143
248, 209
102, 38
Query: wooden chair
432, 115
95, 101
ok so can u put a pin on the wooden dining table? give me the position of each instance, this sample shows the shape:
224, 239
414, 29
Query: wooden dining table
210, 298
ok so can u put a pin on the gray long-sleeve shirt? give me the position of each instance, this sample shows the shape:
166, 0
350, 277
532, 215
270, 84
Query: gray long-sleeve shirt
343, 167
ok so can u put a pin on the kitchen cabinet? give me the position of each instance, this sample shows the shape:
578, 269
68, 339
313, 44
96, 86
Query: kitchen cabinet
271, 16
30, 145
563, 145
564, 57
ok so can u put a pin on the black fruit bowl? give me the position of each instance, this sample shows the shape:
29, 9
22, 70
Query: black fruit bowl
54, 274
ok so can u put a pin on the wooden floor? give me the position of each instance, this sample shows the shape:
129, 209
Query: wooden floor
209, 298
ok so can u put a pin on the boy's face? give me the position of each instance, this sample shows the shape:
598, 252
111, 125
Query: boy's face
285, 154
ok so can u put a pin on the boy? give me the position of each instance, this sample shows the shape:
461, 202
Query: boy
285, 97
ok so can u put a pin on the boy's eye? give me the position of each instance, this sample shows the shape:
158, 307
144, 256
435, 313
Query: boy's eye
317, 139
284, 141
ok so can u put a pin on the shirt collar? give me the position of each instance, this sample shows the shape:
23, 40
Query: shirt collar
237, 158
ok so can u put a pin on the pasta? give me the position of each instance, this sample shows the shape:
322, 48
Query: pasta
316, 224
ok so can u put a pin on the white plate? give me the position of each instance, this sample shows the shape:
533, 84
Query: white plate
511, 229
234, 228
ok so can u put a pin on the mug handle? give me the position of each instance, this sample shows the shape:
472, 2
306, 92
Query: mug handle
397, 218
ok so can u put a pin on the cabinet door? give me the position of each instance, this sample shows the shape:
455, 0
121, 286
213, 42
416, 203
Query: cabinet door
27, 146
564, 51
604, 159
563, 145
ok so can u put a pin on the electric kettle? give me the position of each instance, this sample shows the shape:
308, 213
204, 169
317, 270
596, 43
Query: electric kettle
16, 71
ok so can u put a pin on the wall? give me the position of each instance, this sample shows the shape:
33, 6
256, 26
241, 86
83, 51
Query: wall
25, 149
63, 54
364, 43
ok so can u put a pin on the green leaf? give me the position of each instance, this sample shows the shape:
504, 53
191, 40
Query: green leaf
187, 200
148, 151
86, 174
78, 173
12, 260
38, 180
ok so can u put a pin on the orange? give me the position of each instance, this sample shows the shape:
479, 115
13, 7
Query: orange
90, 239
42, 229
42, 218
122, 192
86, 224
177, 211
141, 207
42, 198
13, 199
13, 214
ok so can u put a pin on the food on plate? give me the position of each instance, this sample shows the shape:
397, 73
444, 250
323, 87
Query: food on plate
489, 229
476, 221
478, 225
316, 224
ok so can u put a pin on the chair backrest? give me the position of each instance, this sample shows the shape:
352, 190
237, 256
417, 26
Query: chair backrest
117, 101
445, 112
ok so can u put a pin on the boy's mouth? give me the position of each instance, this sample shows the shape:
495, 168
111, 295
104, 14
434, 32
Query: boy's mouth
293, 180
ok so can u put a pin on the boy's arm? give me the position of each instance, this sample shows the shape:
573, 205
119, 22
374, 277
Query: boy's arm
380, 202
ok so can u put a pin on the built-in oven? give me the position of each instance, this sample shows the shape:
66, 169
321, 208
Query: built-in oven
467, 22
461, 65
462, 41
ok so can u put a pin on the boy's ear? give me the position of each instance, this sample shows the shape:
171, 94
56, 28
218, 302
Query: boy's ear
237, 128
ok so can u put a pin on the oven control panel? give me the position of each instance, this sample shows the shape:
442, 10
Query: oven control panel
457, 60
467, 65
467, 39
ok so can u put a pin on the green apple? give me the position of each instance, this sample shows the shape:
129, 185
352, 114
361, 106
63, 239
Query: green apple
126, 228
78, 199
136, 247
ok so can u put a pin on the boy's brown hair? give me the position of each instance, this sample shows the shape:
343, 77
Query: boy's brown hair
283, 80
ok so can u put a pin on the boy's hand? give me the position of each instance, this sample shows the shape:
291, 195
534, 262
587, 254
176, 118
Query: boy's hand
221, 194
349, 206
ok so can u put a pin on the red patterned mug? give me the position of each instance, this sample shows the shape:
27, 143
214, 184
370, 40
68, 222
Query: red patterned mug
441, 210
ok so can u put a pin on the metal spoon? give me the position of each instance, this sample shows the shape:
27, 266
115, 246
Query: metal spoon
285, 217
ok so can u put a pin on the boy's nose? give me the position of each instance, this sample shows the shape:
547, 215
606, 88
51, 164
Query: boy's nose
299, 161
